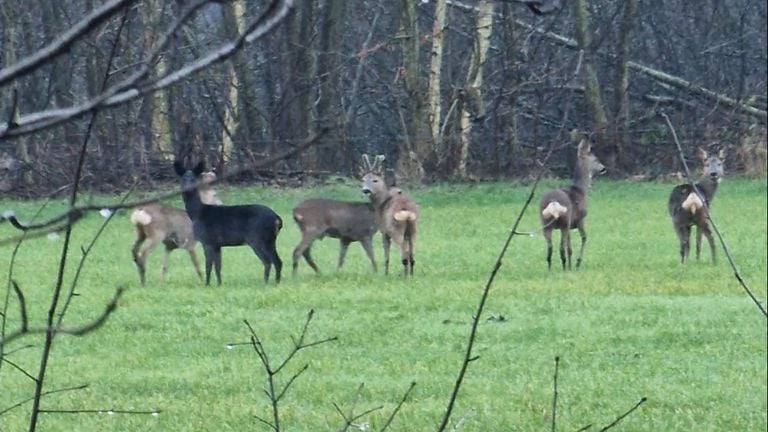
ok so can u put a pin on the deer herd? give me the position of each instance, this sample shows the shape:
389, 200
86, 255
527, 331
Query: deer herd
389, 210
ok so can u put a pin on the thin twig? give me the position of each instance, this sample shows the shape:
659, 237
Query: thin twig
688, 176
397, 408
46, 393
75, 213
619, 418
554, 394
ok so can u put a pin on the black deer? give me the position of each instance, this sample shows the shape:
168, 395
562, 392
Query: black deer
215, 226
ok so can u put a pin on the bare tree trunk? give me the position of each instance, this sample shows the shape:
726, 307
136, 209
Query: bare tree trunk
10, 45
592, 91
435, 68
473, 98
235, 17
416, 144
159, 110
301, 28
328, 74
621, 93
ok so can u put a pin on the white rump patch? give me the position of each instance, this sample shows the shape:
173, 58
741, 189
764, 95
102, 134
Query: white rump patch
404, 215
693, 203
554, 210
140, 217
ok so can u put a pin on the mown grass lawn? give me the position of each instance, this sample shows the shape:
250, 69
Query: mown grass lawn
631, 323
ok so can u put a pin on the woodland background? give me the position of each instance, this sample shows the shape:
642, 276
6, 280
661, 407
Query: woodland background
448, 90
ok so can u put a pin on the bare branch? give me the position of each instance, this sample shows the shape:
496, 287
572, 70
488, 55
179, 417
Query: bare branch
688, 176
46, 393
75, 331
63, 42
397, 408
621, 417
131, 89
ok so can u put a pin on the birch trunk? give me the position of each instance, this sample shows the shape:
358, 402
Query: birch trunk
435, 68
473, 92
232, 112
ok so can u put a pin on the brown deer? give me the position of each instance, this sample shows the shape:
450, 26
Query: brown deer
566, 208
688, 208
344, 220
158, 223
396, 213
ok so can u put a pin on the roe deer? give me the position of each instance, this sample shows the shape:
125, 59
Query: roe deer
156, 223
207, 194
214, 226
687, 208
566, 208
396, 213
344, 220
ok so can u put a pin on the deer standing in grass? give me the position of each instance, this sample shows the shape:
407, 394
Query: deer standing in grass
396, 213
687, 208
345, 220
566, 208
158, 223
215, 226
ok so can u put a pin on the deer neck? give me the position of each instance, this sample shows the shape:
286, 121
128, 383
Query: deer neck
192, 203
707, 186
582, 178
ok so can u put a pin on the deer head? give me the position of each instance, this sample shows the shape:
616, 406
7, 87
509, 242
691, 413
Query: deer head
712, 165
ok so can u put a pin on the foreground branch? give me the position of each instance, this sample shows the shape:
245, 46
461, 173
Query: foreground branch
688, 176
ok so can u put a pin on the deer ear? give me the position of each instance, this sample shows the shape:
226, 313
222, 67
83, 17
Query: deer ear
584, 149
198, 169
721, 154
703, 155
366, 163
179, 168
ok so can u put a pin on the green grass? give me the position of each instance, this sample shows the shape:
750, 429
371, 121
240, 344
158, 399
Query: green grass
631, 323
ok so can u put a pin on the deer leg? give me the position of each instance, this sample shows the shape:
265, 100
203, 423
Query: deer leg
143, 253
411, 242
548, 237
137, 258
386, 243
217, 265
310, 261
564, 234
583, 235
164, 264
699, 232
704, 229
210, 256
195, 263
368, 246
400, 242
268, 257
303, 249
343, 245
684, 235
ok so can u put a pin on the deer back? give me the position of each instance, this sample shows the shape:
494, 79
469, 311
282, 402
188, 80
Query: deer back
337, 219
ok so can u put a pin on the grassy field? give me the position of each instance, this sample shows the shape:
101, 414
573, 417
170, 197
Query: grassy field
631, 323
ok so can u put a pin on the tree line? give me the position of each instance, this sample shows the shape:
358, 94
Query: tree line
447, 89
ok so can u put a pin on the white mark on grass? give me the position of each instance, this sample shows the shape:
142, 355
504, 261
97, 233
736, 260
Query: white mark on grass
53, 236
105, 212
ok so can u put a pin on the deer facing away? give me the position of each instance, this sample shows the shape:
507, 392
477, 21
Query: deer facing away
345, 220
215, 226
566, 208
687, 208
396, 213
158, 223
